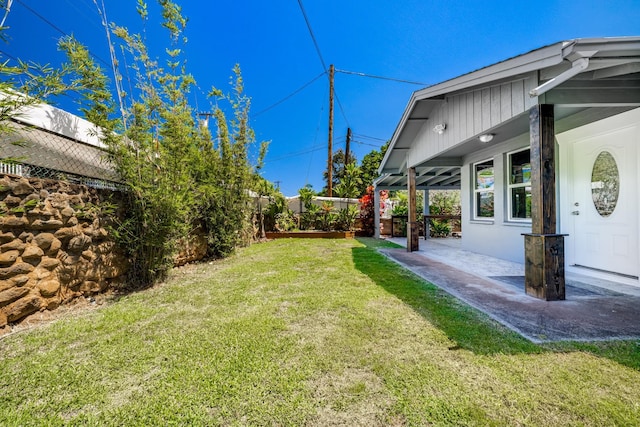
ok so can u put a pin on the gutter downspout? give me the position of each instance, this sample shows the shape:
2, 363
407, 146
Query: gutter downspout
577, 66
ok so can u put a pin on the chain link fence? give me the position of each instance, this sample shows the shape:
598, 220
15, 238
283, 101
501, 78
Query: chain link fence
35, 152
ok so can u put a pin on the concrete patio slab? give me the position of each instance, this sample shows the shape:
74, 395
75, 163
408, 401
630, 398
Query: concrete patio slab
591, 311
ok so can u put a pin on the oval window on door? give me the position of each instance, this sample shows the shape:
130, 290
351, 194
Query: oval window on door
605, 184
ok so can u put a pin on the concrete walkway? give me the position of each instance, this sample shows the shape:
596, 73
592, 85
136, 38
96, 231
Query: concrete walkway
594, 309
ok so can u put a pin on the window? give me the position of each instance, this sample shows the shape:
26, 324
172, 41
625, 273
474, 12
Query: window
483, 178
520, 185
605, 184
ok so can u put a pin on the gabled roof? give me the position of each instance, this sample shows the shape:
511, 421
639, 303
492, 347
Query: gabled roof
607, 56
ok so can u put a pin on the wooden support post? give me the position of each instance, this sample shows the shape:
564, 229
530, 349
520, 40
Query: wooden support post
426, 210
412, 225
347, 149
544, 248
330, 138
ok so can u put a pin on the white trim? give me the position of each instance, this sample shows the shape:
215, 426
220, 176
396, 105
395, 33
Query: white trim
509, 186
474, 214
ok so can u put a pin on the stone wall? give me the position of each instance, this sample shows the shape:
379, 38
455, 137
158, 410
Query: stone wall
54, 246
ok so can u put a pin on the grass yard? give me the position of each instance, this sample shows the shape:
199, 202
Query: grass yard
306, 332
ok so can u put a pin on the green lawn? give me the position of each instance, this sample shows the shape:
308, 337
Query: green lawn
306, 332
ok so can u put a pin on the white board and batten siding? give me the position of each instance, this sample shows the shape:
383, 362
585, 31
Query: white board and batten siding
471, 113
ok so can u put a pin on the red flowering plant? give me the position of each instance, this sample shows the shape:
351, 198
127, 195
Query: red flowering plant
367, 213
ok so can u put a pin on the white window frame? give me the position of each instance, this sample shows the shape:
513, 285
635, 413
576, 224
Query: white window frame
510, 186
477, 190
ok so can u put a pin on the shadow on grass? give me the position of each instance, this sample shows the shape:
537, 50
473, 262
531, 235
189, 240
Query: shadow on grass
469, 328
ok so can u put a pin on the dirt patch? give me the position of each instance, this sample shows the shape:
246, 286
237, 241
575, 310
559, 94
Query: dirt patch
354, 397
75, 308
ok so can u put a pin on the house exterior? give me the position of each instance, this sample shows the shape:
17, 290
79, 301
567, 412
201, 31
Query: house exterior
48, 142
544, 148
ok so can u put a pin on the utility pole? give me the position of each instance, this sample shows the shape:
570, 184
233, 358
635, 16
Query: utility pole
330, 157
346, 155
204, 122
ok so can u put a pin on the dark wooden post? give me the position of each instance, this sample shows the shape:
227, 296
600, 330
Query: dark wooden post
543, 247
330, 137
412, 225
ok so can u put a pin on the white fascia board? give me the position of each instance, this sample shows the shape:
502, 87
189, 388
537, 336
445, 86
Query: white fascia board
532, 61
538, 59
605, 47
396, 133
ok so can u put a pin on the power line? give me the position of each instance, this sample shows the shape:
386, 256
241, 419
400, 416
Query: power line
380, 77
51, 24
313, 37
89, 18
55, 27
296, 154
295, 92
366, 143
8, 55
324, 65
315, 138
369, 137
344, 116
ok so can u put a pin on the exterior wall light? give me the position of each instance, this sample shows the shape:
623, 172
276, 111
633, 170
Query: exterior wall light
487, 137
439, 129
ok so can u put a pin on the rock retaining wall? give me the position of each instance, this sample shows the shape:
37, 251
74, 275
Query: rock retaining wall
54, 246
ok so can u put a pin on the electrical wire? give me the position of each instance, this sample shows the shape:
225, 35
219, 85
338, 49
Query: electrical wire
8, 55
51, 24
324, 65
369, 137
365, 143
315, 137
117, 77
344, 116
87, 17
55, 27
313, 37
295, 92
297, 153
355, 73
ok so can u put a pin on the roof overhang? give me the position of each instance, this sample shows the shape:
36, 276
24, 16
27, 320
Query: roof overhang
587, 83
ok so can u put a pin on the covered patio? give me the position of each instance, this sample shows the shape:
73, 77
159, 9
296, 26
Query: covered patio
523, 139
595, 309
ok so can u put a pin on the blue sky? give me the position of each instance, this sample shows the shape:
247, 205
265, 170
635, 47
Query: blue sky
415, 40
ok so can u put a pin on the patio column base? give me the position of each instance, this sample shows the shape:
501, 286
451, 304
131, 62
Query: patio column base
413, 233
544, 266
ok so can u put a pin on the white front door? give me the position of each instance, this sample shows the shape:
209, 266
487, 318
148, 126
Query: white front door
604, 194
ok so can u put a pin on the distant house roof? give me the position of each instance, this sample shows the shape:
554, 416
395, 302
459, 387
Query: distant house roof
51, 142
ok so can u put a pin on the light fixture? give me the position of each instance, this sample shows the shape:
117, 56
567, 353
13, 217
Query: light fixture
487, 137
439, 129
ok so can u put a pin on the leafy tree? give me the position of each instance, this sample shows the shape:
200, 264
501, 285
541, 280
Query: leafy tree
311, 212
176, 178
444, 202
369, 167
24, 85
401, 199
262, 188
338, 169
349, 183
328, 215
